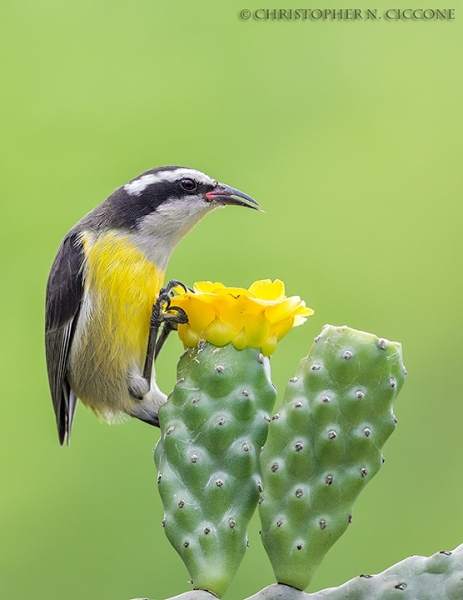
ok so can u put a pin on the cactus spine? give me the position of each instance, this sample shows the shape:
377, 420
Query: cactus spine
212, 429
324, 445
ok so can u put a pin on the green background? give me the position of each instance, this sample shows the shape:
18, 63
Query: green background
350, 135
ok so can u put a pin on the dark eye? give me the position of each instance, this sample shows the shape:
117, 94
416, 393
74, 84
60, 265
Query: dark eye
188, 184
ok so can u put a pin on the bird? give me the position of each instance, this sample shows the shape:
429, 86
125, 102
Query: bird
105, 290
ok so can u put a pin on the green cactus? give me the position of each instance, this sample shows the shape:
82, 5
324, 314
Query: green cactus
439, 577
324, 445
212, 429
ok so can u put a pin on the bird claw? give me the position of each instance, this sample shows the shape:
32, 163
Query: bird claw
163, 306
162, 323
180, 318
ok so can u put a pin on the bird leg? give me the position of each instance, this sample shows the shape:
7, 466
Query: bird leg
169, 322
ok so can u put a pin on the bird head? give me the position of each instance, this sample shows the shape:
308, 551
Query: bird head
161, 205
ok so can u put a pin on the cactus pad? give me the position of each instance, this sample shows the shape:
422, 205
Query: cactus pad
324, 445
212, 429
439, 577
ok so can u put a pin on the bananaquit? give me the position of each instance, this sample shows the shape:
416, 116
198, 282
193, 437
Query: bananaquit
104, 288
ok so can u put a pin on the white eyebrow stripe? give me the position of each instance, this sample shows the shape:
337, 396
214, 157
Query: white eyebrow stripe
137, 186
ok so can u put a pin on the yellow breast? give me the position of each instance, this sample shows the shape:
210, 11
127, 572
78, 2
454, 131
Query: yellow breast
123, 285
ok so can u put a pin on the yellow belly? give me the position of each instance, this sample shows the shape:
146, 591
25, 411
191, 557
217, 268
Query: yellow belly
125, 284
121, 286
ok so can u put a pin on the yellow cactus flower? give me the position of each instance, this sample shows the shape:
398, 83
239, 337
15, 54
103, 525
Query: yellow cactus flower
258, 317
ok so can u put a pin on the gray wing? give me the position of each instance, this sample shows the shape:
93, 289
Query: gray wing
65, 289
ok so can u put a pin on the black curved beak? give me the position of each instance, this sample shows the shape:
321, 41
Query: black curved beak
224, 194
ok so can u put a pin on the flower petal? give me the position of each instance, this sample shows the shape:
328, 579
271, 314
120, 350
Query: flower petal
276, 312
220, 333
281, 328
259, 317
257, 329
269, 346
266, 289
298, 320
188, 336
233, 291
207, 287
304, 310
200, 314
240, 341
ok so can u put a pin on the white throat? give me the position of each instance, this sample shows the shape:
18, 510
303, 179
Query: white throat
158, 233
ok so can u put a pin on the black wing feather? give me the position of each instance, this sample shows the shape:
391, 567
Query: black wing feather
65, 290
